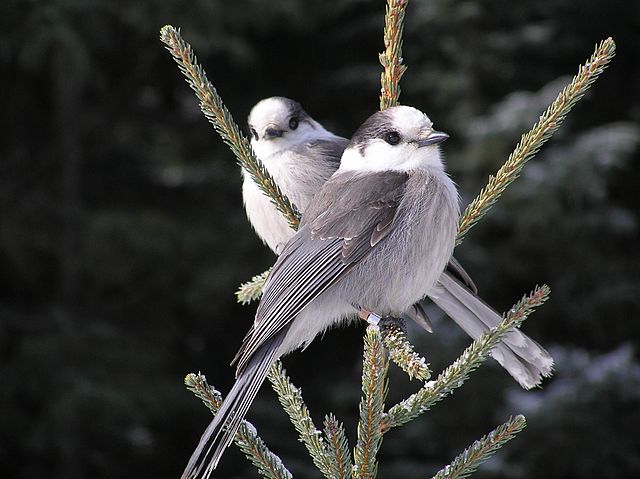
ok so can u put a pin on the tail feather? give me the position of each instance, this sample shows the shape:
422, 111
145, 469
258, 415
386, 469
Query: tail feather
455, 269
224, 426
417, 313
521, 356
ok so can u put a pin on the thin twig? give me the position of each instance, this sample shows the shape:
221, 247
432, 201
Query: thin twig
455, 375
401, 352
252, 289
481, 450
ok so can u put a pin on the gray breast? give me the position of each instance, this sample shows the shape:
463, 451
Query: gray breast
409, 261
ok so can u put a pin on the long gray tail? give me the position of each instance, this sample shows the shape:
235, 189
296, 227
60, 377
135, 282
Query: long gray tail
222, 429
521, 356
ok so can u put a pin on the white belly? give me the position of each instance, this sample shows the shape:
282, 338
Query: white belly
299, 178
269, 224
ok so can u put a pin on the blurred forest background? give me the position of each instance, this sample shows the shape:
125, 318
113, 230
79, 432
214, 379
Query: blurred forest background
123, 238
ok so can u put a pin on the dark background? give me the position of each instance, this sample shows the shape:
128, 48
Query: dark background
123, 239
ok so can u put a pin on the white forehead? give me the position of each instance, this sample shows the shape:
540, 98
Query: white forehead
268, 110
409, 120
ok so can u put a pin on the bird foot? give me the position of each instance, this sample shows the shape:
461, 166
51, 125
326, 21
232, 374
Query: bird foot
382, 321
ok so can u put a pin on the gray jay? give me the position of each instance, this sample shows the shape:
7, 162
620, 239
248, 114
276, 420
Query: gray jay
377, 236
301, 155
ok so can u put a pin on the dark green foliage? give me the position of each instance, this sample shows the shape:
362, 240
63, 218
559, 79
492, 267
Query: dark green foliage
122, 236
590, 392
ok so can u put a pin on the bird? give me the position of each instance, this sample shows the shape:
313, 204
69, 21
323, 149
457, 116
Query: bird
377, 236
300, 154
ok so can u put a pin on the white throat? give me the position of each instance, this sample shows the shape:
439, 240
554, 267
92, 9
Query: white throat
380, 156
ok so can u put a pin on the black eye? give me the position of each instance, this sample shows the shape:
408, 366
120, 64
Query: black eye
293, 123
392, 137
254, 133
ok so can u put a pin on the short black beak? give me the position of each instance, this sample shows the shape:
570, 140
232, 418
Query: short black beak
273, 133
433, 139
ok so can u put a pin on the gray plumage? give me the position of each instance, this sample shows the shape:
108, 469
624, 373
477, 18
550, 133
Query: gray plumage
301, 160
340, 245
375, 238
379, 234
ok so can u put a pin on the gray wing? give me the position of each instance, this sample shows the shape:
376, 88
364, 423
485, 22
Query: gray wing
329, 148
333, 237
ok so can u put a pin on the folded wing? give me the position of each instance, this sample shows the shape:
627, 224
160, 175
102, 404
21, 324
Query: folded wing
350, 215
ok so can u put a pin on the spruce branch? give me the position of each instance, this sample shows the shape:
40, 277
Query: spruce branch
331, 454
291, 399
374, 389
401, 352
481, 450
338, 448
532, 141
252, 290
219, 116
457, 373
391, 58
269, 465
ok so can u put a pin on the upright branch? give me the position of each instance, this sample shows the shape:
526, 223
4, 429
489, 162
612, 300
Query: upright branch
531, 142
391, 58
269, 465
374, 393
217, 113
